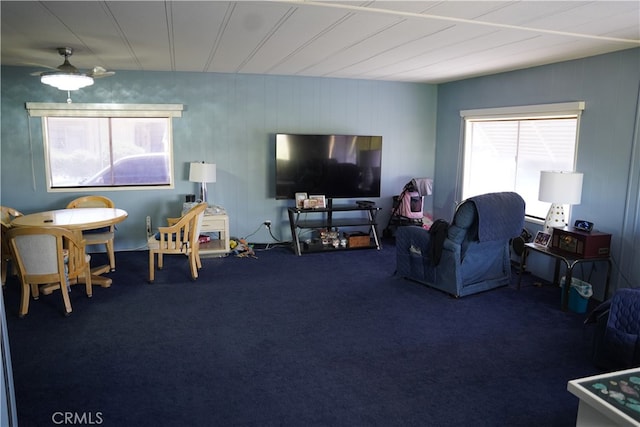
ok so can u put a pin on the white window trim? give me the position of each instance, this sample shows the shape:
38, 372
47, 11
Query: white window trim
51, 109
54, 109
525, 111
520, 112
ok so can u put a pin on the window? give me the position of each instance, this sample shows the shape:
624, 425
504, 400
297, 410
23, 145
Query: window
107, 145
506, 148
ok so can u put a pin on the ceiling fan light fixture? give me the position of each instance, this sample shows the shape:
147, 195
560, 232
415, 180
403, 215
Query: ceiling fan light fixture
66, 81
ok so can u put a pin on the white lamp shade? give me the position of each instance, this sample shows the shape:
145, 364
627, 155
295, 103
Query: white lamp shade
560, 187
67, 81
202, 172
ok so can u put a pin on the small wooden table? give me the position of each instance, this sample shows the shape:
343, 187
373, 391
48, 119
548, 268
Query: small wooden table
78, 220
569, 261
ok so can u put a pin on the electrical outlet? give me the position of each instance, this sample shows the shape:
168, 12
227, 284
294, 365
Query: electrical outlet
148, 225
267, 223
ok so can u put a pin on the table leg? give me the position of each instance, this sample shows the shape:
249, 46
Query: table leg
606, 286
96, 273
556, 273
523, 265
373, 229
294, 236
104, 282
567, 287
97, 278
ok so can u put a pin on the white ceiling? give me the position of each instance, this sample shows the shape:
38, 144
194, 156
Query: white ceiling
418, 41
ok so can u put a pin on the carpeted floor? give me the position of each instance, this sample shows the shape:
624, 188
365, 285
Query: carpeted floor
318, 340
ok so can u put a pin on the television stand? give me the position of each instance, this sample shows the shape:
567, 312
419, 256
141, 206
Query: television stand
328, 221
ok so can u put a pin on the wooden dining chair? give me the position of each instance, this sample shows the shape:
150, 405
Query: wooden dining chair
51, 256
179, 237
101, 236
7, 215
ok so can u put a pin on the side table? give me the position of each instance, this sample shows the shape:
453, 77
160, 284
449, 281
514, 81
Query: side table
569, 261
211, 224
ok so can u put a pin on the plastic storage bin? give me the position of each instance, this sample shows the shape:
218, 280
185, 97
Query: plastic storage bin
579, 294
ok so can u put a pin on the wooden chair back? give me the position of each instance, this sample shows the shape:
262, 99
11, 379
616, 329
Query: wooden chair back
103, 236
7, 215
48, 255
91, 202
179, 237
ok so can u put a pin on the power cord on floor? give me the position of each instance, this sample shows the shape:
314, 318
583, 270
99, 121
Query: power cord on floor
268, 246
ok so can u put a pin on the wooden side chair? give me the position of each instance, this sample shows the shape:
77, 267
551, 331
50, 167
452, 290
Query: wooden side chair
7, 215
101, 236
179, 237
51, 256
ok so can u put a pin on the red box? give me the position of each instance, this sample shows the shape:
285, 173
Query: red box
581, 244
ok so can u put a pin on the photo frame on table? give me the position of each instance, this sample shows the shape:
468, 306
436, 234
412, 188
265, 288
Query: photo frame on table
300, 198
320, 202
542, 238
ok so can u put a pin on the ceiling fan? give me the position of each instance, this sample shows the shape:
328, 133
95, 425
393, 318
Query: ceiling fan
67, 77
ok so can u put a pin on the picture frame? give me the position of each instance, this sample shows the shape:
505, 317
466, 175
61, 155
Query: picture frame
300, 198
542, 238
320, 202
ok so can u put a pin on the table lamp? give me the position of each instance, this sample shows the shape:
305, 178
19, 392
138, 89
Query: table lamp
202, 172
559, 188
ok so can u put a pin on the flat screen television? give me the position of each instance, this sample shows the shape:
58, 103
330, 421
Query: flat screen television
335, 166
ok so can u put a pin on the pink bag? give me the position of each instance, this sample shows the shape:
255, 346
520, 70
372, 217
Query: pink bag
410, 206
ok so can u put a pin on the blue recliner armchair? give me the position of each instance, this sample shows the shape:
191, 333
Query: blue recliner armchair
616, 343
471, 254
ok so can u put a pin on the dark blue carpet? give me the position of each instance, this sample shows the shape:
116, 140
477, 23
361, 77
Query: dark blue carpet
317, 340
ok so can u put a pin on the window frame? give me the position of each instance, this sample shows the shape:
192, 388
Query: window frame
525, 112
162, 111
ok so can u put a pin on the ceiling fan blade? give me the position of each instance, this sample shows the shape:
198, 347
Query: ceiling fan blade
67, 68
46, 69
107, 74
99, 72
37, 64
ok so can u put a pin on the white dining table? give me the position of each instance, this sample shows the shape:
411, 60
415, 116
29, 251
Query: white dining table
78, 219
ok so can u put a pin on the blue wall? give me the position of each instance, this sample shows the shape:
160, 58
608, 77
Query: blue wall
228, 120
608, 151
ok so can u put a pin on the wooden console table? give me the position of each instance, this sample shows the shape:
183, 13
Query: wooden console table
569, 261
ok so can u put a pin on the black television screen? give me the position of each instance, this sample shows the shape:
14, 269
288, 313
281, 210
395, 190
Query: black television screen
335, 166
